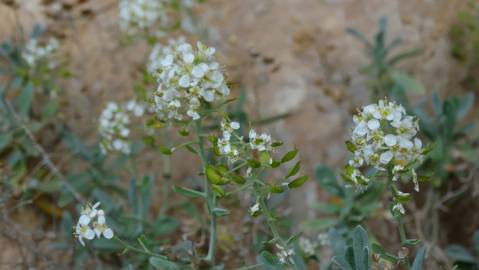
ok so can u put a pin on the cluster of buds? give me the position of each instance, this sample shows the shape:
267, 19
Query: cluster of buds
186, 77
91, 224
384, 138
137, 15
35, 51
114, 126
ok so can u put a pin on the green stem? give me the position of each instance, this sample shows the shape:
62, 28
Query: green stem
399, 222
210, 197
127, 246
166, 185
271, 221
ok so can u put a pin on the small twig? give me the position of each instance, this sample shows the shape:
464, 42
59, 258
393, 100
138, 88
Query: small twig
46, 158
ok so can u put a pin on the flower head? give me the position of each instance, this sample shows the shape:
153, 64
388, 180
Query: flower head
383, 137
34, 51
137, 15
285, 254
114, 124
187, 76
92, 222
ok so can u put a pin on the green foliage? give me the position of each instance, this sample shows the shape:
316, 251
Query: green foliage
464, 36
345, 208
448, 132
462, 257
357, 255
384, 78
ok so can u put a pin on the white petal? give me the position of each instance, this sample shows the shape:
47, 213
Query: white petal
360, 129
108, 233
386, 157
373, 124
390, 140
235, 125
89, 234
417, 143
80, 239
84, 220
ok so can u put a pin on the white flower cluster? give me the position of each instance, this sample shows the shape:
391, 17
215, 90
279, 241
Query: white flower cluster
224, 144
383, 137
35, 52
285, 254
140, 14
186, 77
114, 125
260, 142
233, 150
92, 222
307, 246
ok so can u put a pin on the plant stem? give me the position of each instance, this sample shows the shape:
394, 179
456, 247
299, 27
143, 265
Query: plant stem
127, 246
210, 197
166, 185
399, 222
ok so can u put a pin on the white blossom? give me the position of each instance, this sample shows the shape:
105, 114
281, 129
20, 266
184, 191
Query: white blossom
285, 254
186, 76
254, 209
92, 222
307, 246
137, 15
34, 51
383, 136
261, 143
113, 125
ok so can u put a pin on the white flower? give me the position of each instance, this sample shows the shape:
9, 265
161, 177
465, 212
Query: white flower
386, 157
113, 125
307, 246
260, 143
35, 52
399, 207
87, 213
254, 209
186, 75
384, 134
136, 15
285, 254
92, 222
373, 124
390, 140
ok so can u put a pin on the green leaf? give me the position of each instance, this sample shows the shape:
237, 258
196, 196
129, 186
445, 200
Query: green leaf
163, 264
378, 249
294, 170
276, 188
189, 192
289, 156
341, 263
269, 258
219, 191
265, 158
254, 163
25, 99
417, 265
408, 83
5, 140
350, 146
212, 175
296, 183
165, 150
238, 179
327, 180
320, 224
476, 241
220, 212
361, 248
460, 254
